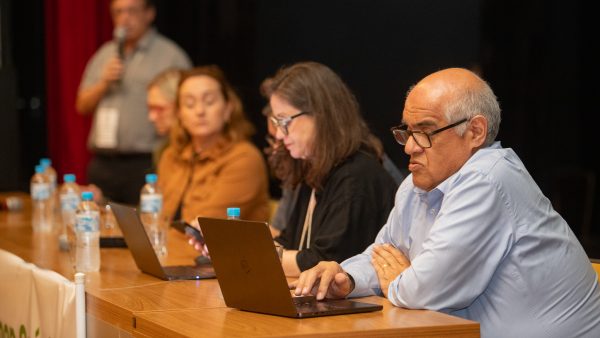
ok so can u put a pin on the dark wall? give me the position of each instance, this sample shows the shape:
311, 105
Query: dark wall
23, 126
532, 58
540, 58
378, 47
9, 139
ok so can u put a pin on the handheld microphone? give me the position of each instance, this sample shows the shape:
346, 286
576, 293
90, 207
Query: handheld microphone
119, 35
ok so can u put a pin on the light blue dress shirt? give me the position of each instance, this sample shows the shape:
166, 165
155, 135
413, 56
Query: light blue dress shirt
487, 245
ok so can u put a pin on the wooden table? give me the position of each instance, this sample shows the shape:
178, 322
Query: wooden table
122, 301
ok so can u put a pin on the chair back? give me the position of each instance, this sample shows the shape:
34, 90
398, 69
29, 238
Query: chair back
36, 302
596, 267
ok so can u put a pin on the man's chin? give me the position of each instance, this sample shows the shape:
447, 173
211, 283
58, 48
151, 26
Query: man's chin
420, 183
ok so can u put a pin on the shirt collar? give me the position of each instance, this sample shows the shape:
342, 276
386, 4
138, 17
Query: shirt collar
429, 197
444, 186
219, 147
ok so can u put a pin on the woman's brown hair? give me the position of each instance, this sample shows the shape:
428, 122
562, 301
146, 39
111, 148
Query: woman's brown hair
340, 129
238, 127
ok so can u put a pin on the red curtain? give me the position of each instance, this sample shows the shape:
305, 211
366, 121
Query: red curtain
74, 31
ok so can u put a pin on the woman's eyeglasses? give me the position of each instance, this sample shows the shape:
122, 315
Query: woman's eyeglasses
283, 122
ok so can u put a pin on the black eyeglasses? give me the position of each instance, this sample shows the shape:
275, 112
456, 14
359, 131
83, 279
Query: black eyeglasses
422, 138
283, 122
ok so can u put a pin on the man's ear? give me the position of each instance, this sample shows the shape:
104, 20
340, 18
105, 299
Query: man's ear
478, 127
150, 14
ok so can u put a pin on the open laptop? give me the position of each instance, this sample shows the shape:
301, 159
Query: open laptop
251, 276
143, 253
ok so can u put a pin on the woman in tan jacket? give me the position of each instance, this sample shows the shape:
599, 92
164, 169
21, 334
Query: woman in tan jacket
210, 165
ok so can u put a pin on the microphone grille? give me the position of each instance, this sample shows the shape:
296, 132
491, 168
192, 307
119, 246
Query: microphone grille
119, 33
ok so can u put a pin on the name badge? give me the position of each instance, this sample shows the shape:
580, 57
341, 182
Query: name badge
107, 123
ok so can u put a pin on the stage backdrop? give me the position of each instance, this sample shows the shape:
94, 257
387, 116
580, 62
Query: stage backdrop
74, 31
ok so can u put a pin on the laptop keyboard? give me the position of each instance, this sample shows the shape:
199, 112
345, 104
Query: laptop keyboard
304, 300
186, 270
309, 304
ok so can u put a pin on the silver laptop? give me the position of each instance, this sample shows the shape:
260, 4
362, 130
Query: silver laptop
143, 253
251, 276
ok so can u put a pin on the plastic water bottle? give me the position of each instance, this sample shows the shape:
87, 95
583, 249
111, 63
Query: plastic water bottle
87, 233
233, 213
40, 199
11, 203
69, 200
150, 212
49, 171
150, 201
51, 174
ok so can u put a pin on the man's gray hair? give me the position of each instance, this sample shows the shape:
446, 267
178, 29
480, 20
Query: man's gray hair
471, 101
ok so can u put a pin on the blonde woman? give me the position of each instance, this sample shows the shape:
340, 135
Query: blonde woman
210, 164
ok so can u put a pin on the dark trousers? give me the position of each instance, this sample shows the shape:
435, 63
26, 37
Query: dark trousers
120, 176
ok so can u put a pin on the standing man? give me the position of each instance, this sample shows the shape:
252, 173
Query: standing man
113, 89
471, 234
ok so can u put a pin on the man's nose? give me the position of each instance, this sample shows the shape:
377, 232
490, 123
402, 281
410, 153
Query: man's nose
411, 146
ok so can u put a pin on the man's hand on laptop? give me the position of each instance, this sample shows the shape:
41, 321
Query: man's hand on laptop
327, 279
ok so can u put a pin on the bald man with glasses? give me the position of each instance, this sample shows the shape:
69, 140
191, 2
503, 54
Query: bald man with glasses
471, 234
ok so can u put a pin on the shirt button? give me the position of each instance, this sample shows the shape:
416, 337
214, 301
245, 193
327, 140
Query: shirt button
432, 211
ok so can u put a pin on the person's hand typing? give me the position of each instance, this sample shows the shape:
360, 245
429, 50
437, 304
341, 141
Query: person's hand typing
389, 263
326, 279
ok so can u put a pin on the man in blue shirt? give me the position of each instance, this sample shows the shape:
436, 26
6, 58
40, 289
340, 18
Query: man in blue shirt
471, 234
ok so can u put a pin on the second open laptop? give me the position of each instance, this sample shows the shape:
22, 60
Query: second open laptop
143, 253
251, 276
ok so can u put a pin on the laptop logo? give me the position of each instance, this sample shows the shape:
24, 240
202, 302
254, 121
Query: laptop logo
245, 266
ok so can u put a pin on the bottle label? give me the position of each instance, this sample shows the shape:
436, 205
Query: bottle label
88, 221
40, 191
69, 201
151, 203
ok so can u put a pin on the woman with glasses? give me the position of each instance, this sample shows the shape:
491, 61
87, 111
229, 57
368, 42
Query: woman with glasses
278, 157
345, 195
209, 164
160, 98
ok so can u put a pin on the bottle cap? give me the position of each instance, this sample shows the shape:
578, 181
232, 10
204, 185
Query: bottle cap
69, 178
39, 169
80, 278
233, 212
46, 162
87, 195
151, 178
